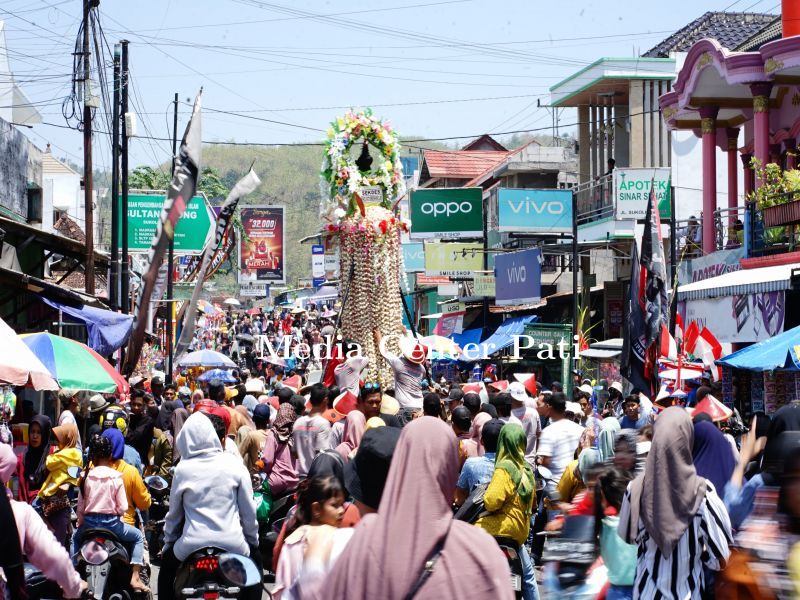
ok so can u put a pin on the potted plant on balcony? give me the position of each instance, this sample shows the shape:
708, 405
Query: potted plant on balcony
778, 198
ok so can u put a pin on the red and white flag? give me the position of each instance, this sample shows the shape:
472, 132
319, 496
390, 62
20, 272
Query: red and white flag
709, 350
669, 349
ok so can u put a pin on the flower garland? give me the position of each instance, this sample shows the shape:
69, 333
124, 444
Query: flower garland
341, 177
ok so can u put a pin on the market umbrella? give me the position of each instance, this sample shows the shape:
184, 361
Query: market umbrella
686, 374
75, 365
713, 408
20, 366
206, 358
441, 344
221, 374
208, 309
252, 311
232, 302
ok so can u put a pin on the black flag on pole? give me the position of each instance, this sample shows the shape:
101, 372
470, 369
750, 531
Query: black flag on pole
244, 186
181, 190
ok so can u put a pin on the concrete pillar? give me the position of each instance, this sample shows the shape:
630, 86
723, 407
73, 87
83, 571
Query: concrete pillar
636, 112
761, 92
708, 115
790, 146
584, 166
749, 175
594, 138
733, 173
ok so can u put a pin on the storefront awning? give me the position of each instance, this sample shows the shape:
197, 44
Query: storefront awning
504, 336
108, 330
736, 283
779, 352
468, 336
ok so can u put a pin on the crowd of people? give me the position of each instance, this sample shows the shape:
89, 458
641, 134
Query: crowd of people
375, 475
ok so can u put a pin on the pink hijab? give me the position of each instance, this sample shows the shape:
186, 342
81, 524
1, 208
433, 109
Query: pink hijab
477, 429
413, 517
354, 428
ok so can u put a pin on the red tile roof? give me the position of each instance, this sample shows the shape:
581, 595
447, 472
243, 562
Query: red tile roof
461, 164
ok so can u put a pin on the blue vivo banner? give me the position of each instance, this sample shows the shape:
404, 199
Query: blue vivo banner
414, 257
535, 210
518, 277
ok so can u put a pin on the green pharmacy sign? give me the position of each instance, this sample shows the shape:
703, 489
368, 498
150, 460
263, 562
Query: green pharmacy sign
632, 190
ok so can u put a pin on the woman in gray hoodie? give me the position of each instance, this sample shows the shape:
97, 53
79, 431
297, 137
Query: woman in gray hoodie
211, 502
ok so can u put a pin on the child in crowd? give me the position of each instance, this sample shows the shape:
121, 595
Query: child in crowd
319, 513
101, 504
619, 557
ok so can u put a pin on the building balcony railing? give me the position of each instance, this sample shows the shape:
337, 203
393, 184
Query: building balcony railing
728, 232
595, 199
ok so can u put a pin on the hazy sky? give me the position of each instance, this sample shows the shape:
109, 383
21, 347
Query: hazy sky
435, 68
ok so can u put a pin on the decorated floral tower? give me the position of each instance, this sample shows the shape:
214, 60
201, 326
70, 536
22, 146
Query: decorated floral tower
360, 195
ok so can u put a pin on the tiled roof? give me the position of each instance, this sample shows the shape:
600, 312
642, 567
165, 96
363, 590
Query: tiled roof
484, 142
69, 229
729, 29
460, 164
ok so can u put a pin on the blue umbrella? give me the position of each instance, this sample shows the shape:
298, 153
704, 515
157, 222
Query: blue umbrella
221, 374
206, 358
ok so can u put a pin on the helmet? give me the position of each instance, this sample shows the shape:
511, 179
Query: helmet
114, 417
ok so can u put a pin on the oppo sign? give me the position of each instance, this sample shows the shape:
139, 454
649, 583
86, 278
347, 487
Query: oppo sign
445, 213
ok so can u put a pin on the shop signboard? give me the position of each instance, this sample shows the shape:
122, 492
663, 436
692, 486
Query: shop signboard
484, 286
423, 279
261, 253
191, 232
518, 277
414, 257
453, 259
253, 290
541, 211
632, 190
318, 261
446, 213
740, 319
711, 265
556, 337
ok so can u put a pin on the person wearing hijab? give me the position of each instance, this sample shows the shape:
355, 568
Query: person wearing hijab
740, 495
168, 406
606, 438
241, 425
53, 495
625, 455
31, 469
354, 427
674, 516
280, 464
135, 489
509, 499
413, 526
211, 504
35, 541
712, 455
478, 421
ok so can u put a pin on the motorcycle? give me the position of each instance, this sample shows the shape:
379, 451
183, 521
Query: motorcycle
214, 574
40, 587
154, 528
573, 568
104, 562
268, 531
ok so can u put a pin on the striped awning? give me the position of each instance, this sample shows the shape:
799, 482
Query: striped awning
736, 283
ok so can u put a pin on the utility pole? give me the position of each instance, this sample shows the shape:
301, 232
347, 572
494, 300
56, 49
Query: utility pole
87, 151
125, 300
113, 288
171, 253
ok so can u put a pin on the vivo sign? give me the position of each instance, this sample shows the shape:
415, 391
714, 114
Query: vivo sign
518, 277
414, 257
535, 210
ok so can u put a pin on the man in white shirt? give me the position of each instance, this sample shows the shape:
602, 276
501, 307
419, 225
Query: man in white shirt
559, 439
311, 432
348, 374
529, 418
409, 371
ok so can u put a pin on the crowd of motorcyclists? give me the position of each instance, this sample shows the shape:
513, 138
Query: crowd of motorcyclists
332, 487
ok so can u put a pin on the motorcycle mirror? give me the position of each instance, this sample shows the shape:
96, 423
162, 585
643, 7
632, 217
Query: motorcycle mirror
94, 553
74, 472
238, 570
156, 482
544, 473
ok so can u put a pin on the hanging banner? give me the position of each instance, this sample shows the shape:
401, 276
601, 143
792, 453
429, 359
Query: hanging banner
453, 259
632, 190
740, 319
445, 213
711, 265
518, 277
542, 211
261, 254
414, 257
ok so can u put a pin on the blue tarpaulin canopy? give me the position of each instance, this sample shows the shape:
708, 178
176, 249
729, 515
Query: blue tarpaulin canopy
108, 330
504, 336
468, 336
779, 352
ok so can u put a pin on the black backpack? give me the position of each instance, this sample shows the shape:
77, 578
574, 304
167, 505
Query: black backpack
473, 507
